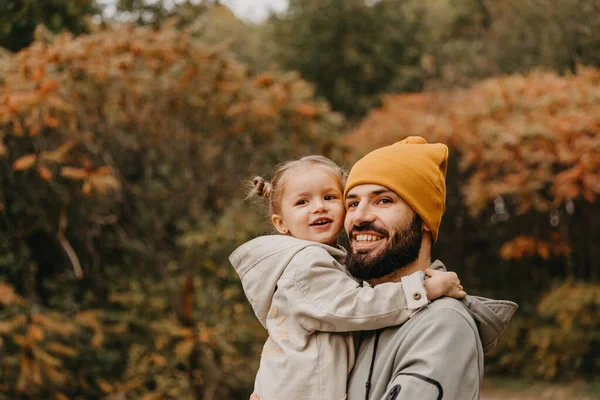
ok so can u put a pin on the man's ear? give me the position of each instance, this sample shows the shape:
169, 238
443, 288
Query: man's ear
279, 224
426, 228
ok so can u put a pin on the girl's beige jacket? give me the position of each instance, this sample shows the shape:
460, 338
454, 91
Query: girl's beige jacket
310, 306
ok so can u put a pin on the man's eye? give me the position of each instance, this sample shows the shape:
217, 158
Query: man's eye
353, 204
384, 201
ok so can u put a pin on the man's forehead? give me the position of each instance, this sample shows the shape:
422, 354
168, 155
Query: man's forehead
369, 189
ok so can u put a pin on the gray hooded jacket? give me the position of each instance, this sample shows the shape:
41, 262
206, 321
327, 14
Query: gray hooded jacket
437, 354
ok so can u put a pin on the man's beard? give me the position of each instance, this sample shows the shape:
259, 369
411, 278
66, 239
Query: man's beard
402, 250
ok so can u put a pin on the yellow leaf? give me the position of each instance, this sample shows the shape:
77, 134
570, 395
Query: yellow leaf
25, 162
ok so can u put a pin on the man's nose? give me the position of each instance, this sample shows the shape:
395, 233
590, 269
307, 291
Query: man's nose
362, 214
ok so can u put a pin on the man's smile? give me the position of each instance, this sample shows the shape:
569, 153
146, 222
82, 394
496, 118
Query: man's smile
366, 241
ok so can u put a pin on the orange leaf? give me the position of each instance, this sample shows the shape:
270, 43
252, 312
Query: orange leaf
104, 183
45, 173
51, 121
34, 129
105, 386
184, 348
25, 162
48, 86
62, 349
103, 170
264, 79
36, 333
60, 396
58, 154
38, 73
306, 109
87, 188
74, 173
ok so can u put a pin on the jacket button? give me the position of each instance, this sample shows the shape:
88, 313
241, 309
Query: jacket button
417, 296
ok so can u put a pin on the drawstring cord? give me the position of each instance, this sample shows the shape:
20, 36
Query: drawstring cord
368, 384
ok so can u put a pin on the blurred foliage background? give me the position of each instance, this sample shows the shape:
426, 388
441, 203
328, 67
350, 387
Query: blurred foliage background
126, 140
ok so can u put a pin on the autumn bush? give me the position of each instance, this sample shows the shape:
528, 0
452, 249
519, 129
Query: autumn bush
523, 182
561, 341
123, 156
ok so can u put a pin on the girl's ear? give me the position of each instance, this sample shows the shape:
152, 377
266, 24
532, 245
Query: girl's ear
279, 224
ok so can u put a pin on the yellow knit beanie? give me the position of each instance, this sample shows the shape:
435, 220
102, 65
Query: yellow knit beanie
415, 170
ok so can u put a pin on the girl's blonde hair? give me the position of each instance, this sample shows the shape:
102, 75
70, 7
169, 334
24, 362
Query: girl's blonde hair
274, 190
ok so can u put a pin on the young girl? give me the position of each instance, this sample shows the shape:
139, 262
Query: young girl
303, 296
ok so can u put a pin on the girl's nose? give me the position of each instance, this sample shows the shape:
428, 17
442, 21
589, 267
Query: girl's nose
319, 206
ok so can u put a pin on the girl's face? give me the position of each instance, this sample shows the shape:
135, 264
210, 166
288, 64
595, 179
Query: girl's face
311, 206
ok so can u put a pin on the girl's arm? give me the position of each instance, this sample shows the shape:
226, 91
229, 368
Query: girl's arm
331, 301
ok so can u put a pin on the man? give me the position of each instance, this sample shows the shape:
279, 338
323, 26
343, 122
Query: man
395, 199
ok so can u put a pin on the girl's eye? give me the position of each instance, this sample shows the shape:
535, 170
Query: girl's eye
301, 202
330, 197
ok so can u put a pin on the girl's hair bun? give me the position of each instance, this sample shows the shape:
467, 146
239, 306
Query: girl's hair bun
260, 188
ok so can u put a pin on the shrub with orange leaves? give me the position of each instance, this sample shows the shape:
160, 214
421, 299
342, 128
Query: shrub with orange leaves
123, 155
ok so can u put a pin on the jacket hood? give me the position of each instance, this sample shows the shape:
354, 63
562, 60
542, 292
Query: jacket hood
491, 316
261, 262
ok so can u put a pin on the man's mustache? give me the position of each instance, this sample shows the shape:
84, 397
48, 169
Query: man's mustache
368, 227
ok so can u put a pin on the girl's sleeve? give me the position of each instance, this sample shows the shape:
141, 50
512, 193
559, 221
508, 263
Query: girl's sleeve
331, 301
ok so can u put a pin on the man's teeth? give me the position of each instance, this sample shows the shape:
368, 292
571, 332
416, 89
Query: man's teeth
367, 238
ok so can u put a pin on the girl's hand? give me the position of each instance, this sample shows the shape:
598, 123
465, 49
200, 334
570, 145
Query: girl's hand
442, 283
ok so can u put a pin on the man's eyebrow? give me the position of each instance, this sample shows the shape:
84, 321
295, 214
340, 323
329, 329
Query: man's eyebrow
382, 191
373, 193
